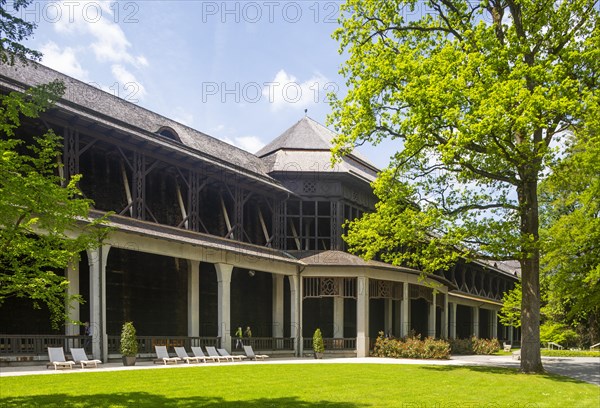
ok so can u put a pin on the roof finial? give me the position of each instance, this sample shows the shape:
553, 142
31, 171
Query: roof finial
305, 112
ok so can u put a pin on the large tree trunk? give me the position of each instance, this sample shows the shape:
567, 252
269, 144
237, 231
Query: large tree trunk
531, 360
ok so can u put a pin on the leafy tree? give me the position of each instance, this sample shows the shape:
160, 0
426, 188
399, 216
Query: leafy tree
39, 228
557, 333
571, 256
39, 232
510, 314
477, 94
13, 30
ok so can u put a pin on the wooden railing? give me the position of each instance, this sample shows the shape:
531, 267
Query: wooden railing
146, 343
266, 343
332, 343
36, 345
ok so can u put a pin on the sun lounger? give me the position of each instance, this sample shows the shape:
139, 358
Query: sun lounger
225, 353
199, 353
212, 352
57, 358
163, 356
182, 354
250, 354
80, 357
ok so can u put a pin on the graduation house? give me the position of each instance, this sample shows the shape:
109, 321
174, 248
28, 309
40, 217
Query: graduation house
206, 237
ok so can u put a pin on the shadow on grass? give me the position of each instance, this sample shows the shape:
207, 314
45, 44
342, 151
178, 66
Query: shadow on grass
144, 399
499, 371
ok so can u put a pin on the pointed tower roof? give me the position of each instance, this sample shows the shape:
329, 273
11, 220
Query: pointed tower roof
308, 142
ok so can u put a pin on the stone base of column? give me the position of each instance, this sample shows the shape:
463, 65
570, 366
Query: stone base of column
362, 347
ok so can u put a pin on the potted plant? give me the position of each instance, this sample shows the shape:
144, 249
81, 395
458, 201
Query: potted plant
129, 344
318, 345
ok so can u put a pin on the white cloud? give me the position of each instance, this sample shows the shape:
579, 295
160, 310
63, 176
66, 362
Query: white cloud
226, 134
131, 88
285, 91
84, 19
251, 144
64, 61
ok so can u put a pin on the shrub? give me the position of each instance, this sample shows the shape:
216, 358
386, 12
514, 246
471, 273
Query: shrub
557, 333
485, 346
129, 345
318, 345
411, 347
461, 346
474, 345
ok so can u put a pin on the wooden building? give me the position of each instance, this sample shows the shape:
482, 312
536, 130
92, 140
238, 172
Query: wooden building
207, 237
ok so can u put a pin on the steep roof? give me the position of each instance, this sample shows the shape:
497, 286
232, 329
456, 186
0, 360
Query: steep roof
308, 142
92, 101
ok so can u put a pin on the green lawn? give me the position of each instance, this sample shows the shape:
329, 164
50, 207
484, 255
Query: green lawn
299, 385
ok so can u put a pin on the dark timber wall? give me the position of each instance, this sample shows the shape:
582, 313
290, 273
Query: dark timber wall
251, 301
150, 290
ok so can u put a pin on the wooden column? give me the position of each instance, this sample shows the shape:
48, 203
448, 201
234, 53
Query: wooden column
362, 317
224, 303
193, 298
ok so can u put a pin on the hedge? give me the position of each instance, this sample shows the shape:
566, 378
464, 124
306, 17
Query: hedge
411, 347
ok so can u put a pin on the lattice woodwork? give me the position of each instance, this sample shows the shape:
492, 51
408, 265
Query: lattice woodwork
335, 230
309, 187
440, 300
194, 201
421, 292
70, 153
381, 289
139, 185
329, 287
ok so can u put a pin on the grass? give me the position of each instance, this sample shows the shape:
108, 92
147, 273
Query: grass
556, 353
501, 352
570, 353
299, 386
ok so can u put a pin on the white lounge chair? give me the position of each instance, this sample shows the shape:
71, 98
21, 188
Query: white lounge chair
182, 354
162, 356
507, 346
80, 357
199, 353
225, 353
57, 358
250, 354
212, 352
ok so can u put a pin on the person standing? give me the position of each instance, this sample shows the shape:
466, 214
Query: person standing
87, 331
239, 335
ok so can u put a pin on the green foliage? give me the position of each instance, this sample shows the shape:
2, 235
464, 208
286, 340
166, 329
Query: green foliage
318, 344
510, 314
485, 346
571, 256
570, 353
39, 229
461, 346
411, 347
39, 232
557, 333
474, 345
476, 95
13, 31
129, 344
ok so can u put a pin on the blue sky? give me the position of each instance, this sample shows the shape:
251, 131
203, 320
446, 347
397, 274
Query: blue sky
241, 71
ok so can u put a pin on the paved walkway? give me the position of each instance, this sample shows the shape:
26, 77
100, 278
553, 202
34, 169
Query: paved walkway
581, 368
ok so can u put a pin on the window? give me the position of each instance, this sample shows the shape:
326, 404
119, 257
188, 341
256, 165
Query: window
168, 133
308, 225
